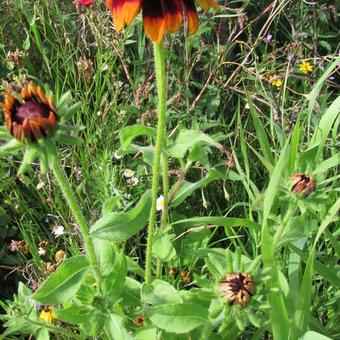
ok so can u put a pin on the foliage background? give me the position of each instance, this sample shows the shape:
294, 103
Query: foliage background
210, 76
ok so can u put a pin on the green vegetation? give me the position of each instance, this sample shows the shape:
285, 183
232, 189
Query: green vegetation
245, 240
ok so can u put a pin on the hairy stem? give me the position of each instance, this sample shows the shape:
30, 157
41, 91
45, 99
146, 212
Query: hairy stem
161, 89
67, 191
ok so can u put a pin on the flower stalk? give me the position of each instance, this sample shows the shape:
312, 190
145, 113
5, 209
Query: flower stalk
159, 56
67, 191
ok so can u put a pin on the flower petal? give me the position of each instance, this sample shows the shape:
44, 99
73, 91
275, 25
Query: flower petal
154, 20
191, 15
206, 4
173, 12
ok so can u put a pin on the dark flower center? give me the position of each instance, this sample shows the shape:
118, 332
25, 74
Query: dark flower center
30, 110
237, 284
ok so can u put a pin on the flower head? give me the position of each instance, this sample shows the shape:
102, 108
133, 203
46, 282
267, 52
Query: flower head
48, 315
139, 321
302, 183
276, 81
268, 38
160, 203
237, 288
43, 245
84, 2
128, 173
59, 256
58, 230
30, 117
306, 67
158, 15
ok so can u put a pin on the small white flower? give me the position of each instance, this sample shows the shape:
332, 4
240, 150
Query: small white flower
132, 181
40, 185
58, 231
41, 251
247, 107
128, 173
116, 156
160, 203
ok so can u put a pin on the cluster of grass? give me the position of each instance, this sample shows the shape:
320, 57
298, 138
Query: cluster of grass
239, 80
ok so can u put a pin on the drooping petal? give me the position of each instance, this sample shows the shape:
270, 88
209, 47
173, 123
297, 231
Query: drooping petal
191, 16
206, 4
116, 7
154, 20
173, 12
123, 11
130, 10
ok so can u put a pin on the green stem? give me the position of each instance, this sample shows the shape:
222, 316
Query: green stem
283, 225
164, 217
161, 89
66, 189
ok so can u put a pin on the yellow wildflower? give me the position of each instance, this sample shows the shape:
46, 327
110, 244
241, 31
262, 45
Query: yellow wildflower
48, 315
306, 67
276, 81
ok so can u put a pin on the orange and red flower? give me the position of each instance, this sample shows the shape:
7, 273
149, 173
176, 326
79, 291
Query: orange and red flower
159, 16
32, 117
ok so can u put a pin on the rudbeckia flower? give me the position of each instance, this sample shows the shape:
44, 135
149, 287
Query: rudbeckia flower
302, 183
158, 15
32, 117
84, 2
237, 288
34, 120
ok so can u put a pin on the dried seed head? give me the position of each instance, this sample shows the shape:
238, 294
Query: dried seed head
43, 245
32, 117
59, 256
139, 321
302, 183
237, 288
173, 271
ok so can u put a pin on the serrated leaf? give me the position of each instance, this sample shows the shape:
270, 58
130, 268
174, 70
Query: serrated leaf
121, 226
63, 284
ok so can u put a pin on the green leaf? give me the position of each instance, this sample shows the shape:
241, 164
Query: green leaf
218, 221
278, 313
260, 133
179, 318
302, 313
114, 326
160, 293
12, 145
75, 314
162, 246
326, 122
187, 188
121, 226
105, 254
311, 335
113, 284
328, 163
63, 284
146, 333
187, 139
129, 133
